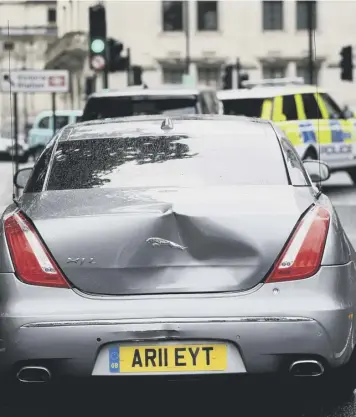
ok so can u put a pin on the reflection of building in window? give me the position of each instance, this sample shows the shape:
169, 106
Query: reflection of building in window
209, 75
274, 71
304, 7
172, 75
207, 15
272, 15
172, 16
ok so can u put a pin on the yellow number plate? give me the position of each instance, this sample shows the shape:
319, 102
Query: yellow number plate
168, 358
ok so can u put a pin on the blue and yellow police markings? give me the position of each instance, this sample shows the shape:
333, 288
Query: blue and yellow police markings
335, 136
339, 132
307, 132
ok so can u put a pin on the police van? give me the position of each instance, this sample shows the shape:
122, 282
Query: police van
134, 101
308, 115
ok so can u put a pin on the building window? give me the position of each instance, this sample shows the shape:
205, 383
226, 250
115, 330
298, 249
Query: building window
172, 16
209, 75
52, 16
9, 46
272, 15
303, 9
303, 71
207, 15
274, 71
172, 75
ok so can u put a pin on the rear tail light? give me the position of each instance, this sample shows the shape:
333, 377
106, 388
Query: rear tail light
32, 261
303, 254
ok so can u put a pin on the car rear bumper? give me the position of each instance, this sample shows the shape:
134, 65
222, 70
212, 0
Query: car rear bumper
265, 345
268, 327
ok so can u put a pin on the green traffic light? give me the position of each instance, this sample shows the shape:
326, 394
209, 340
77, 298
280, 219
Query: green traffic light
97, 46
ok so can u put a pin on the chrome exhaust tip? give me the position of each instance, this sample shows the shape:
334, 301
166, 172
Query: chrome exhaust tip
34, 374
306, 368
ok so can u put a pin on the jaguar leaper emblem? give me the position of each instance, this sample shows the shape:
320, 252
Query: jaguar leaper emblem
157, 241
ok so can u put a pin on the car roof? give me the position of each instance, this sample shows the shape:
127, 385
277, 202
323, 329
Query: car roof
152, 125
266, 92
132, 92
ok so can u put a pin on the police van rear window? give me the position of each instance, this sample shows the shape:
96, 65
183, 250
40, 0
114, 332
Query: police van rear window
250, 107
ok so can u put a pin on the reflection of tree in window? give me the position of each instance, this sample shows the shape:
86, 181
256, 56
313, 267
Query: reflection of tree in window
292, 159
95, 159
291, 155
163, 149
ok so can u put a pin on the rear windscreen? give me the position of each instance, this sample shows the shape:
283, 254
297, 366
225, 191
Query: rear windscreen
250, 107
109, 107
201, 158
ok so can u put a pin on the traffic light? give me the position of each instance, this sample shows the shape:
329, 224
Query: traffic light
346, 63
227, 77
97, 37
137, 75
241, 78
116, 62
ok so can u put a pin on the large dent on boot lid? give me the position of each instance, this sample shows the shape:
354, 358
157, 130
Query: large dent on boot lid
230, 243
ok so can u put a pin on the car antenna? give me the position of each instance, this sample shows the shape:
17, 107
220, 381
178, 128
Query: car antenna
14, 191
14, 199
167, 124
312, 46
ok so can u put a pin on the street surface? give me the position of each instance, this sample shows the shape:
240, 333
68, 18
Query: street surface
155, 401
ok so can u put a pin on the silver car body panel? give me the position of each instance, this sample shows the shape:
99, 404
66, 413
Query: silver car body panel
69, 324
212, 295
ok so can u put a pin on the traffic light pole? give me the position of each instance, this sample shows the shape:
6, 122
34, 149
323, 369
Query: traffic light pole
310, 39
16, 138
129, 76
106, 73
187, 37
238, 71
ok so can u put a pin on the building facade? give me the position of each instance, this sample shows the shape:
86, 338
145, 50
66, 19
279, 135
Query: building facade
269, 38
27, 28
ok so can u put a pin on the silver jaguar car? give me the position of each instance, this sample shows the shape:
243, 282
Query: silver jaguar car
184, 246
